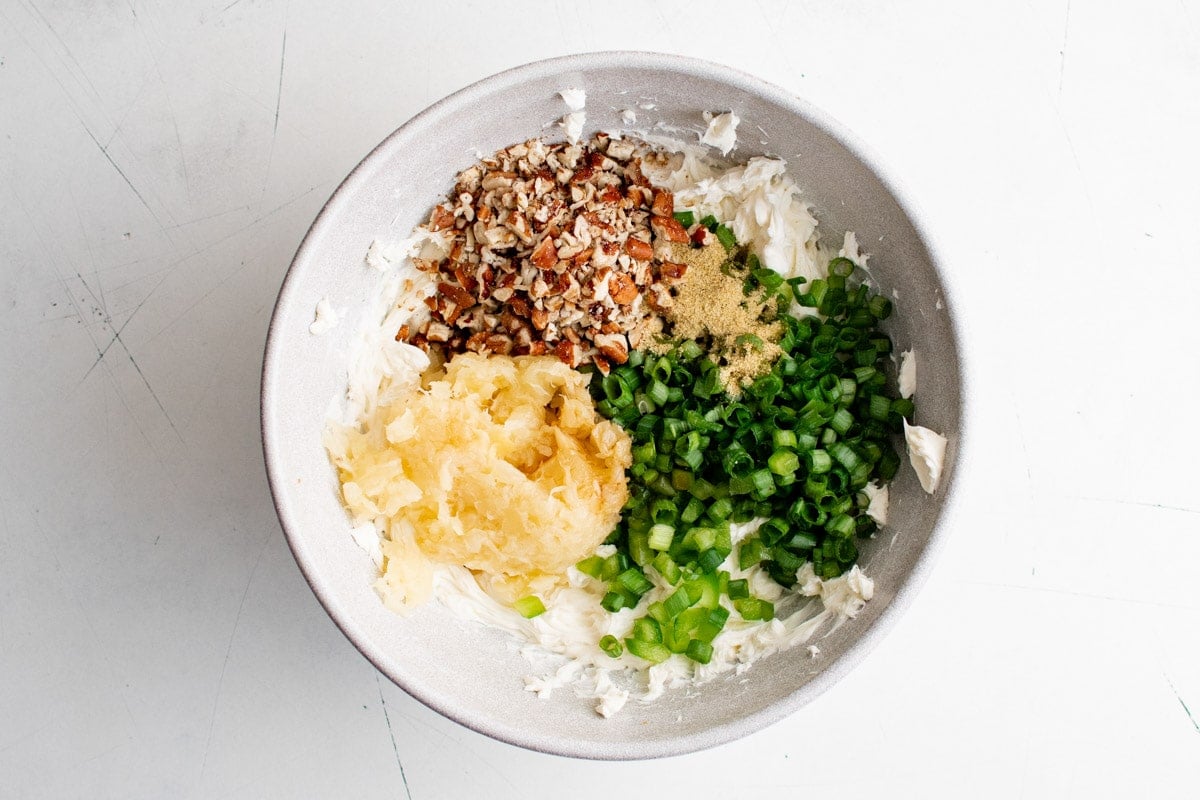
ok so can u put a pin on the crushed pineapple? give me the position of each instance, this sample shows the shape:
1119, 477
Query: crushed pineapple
500, 465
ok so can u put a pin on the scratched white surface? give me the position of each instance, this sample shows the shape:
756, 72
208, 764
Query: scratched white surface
159, 163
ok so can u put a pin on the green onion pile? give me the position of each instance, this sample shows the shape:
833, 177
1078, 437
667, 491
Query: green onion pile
796, 449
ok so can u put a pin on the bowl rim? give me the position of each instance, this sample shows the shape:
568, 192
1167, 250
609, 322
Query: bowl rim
906, 592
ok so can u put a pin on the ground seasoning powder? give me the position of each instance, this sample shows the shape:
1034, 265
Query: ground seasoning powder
710, 304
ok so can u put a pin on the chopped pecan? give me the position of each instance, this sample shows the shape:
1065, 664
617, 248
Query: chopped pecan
609, 194
642, 251
664, 204
498, 343
634, 173
551, 246
612, 346
457, 294
438, 332
672, 270
669, 228
621, 288
519, 305
544, 255
638, 196
441, 218
498, 180
568, 353
477, 342
465, 279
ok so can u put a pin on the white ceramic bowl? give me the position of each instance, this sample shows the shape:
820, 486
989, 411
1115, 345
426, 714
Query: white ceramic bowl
469, 673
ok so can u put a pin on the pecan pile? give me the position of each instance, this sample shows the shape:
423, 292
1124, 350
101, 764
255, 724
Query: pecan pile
553, 248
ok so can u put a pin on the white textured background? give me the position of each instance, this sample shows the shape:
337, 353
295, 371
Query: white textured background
159, 164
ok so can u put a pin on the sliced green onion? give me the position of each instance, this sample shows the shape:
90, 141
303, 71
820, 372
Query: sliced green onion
709, 560
530, 606
840, 525
634, 581
818, 461
721, 508
762, 483
611, 646
692, 511
903, 407
654, 652
699, 651
657, 392
750, 552
667, 567
783, 462
685, 218
689, 350
613, 602
591, 566
660, 537
678, 602
880, 307
725, 236
752, 608
646, 629
841, 267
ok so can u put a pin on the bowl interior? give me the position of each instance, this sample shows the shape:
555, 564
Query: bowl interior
473, 674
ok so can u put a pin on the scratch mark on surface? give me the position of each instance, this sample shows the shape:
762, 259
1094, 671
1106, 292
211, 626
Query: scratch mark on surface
279, 86
1174, 691
392, 735
226, 8
87, 243
1024, 446
178, 318
67, 50
121, 172
1138, 503
278, 100
1062, 53
70, 296
187, 182
212, 722
117, 338
150, 388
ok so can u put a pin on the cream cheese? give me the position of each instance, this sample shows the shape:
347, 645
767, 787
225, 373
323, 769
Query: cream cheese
850, 250
326, 318
572, 124
877, 502
721, 132
758, 200
575, 99
926, 451
908, 373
